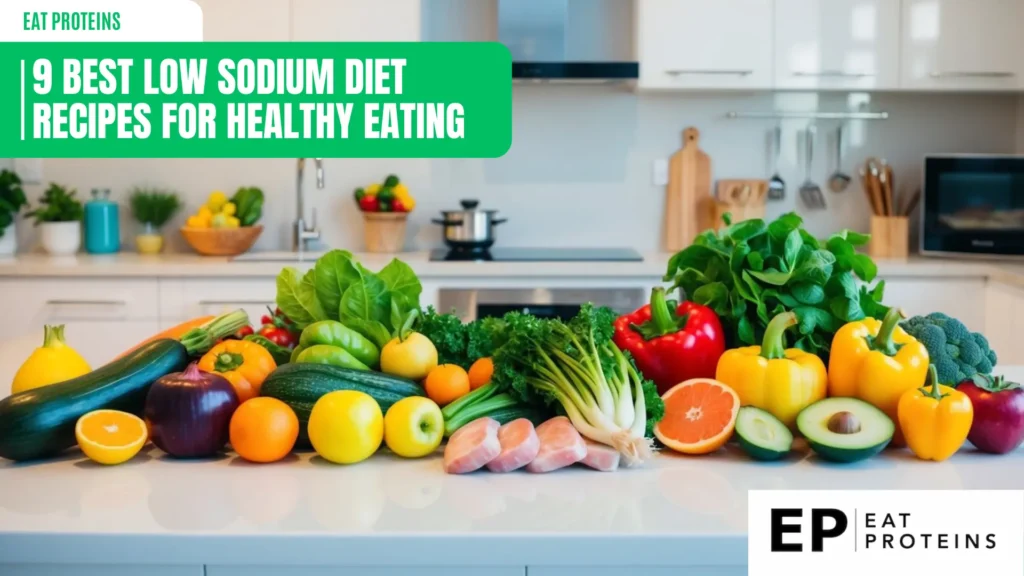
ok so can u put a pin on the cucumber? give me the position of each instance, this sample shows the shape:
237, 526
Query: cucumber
762, 436
301, 385
39, 423
510, 413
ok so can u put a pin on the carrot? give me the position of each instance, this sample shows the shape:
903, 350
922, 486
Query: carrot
173, 333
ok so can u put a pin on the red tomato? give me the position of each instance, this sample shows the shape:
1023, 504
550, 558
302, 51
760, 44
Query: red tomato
279, 336
369, 204
397, 206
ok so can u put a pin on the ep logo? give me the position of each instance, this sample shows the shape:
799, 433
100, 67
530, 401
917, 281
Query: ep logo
822, 523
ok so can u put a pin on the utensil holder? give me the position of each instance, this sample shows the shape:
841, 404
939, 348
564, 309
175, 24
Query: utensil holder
739, 213
889, 237
384, 231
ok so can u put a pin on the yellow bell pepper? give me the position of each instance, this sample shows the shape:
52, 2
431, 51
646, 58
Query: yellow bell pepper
877, 362
780, 381
935, 419
244, 364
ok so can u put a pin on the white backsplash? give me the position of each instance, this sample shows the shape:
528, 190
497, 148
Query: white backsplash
580, 169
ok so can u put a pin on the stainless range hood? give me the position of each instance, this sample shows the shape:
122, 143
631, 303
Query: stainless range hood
575, 40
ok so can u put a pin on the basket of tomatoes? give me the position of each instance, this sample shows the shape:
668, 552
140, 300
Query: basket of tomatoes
385, 207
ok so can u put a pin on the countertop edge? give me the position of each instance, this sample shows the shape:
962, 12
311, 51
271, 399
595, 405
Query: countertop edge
365, 550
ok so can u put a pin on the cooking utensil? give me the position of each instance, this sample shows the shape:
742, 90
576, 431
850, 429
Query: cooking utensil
911, 203
839, 181
867, 183
469, 228
688, 194
776, 186
873, 168
885, 180
810, 192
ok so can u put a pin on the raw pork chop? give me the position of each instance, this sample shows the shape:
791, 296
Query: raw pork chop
601, 457
519, 446
472, 446
560, 446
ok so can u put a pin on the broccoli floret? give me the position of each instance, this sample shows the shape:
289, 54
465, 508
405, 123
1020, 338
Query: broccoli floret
958, 353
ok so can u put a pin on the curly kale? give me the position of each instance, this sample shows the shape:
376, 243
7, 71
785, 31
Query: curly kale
957, 353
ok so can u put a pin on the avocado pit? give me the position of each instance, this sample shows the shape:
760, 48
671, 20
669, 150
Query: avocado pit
844, 423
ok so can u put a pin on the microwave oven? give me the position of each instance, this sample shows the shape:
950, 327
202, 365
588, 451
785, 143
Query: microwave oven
973, 205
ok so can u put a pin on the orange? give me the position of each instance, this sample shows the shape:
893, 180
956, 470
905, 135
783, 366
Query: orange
700, 415
480, 373
110, 436
264, 429
446, 383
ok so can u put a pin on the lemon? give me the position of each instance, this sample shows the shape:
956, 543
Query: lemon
217, 200
413, 427
346, 426
229, 209
372, 189
233, 222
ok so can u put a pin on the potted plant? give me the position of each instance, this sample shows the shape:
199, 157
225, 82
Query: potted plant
60, 217
12, 198
152, 209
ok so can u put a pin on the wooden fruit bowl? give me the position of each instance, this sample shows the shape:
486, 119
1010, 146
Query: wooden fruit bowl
221, 241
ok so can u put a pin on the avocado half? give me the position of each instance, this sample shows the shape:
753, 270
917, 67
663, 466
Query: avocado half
858, 432
761, 435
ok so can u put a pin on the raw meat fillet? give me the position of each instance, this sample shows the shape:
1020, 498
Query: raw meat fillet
560, 446
601, 457
519, 446
472, 446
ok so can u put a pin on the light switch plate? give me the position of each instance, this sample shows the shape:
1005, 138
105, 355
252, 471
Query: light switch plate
30, 170
660, 172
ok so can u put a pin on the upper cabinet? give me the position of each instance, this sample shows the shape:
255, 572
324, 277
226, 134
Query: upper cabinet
356, 20
837, 44
963, 45
704, 44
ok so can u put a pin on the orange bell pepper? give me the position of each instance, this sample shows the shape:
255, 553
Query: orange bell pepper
244, 364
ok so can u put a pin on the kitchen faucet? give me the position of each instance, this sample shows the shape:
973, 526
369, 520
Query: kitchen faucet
302, 235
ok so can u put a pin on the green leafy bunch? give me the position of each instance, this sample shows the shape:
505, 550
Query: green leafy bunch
58, 204
377, 305
750, 271
12, 198
153, 207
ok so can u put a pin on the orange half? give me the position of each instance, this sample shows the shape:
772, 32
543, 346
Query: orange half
110, 436
700, 415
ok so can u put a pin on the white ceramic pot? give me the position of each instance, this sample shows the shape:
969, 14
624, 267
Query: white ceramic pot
61, 238
9, 241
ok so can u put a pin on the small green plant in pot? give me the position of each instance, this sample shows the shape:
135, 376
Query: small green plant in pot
152, 209
12, 199
59, 217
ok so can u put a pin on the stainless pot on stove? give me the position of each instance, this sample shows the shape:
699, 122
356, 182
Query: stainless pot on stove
469, 228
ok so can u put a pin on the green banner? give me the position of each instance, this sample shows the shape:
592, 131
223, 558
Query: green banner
255, 100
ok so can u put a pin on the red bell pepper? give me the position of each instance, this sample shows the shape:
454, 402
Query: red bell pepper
672, 342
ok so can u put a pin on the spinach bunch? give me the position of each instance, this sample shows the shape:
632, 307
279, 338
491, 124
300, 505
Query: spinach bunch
750, 271
377, 305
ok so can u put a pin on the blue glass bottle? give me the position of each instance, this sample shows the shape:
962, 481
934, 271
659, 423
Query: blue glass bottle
102, 228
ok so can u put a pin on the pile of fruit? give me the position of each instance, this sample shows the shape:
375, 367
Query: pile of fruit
350, 362
388, 196
243, 209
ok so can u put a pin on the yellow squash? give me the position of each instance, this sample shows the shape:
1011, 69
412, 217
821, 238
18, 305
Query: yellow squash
877, 362
935, 419
51, 363
772, 378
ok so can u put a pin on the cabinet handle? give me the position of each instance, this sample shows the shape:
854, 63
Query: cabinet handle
833, 74
710, 72
86, 303
235, 302
980, 74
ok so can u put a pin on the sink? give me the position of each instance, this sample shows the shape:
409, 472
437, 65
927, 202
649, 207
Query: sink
282, 256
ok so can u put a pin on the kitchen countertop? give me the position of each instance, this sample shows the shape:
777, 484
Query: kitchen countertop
677, 511
652, 266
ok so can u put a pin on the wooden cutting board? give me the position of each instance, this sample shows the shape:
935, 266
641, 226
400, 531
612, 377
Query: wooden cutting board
688, 201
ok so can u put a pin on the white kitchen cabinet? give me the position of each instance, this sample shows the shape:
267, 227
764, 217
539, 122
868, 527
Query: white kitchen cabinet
181, 299
356, 21
962, 45
837, 44
961, 298
646, 570
1004, 321
241, 21
697, 44
101, 317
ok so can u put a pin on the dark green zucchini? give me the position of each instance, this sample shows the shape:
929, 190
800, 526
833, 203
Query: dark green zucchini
41, 422
301, 385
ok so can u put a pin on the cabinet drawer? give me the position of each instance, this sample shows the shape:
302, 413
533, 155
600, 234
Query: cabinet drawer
646, 570
58, 300
188, 298
364, 571
97, 570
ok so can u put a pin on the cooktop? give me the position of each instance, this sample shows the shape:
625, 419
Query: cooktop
540, 255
